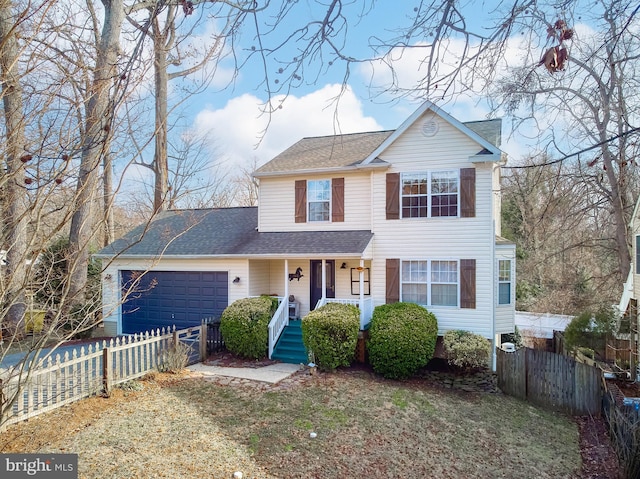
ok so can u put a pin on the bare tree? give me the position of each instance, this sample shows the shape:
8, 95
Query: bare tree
246, 185
13, 188
591, 103
195, 180
172, 33
560, 228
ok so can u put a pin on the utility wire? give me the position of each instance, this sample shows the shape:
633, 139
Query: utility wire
577, 153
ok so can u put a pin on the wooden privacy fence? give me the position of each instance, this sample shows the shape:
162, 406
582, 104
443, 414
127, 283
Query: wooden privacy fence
41, 386
550, 380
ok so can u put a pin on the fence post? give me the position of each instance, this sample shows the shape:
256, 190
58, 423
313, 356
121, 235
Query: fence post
203, 341
106, 371
175, 338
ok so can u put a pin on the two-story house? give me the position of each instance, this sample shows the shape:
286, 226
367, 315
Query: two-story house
369, 218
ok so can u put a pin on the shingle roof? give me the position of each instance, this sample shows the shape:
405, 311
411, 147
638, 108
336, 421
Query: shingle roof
228, 231
340, 151
335, 151
490, 130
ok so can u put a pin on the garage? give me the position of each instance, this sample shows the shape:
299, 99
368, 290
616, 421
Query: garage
162, 299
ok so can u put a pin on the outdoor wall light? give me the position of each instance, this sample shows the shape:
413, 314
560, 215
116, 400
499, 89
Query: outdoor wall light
236, 280
344, 266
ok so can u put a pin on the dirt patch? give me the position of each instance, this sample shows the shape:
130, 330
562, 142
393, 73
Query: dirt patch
599, 459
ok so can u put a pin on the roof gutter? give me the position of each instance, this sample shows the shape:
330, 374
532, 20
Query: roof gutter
337, 169
233, 256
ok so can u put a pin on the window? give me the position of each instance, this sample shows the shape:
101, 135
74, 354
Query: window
444, 283
414, 196
414, 282
444, 193
504, 281
319, 199
433, 194
432, 283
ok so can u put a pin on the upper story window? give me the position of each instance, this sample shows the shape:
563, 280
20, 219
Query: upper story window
504, 281
430, 194
319, 199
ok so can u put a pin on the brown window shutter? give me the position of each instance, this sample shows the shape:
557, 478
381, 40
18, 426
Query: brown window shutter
468, 283
393, 281
301, 201
337, 199
468, 192
393, 196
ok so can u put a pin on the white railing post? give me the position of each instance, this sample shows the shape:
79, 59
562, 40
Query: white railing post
277, 324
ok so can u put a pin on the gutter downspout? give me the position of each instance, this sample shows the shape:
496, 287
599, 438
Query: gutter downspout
493, 298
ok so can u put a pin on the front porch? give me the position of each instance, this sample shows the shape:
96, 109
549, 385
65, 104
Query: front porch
302, 285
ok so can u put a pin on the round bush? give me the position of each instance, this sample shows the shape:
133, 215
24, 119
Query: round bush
402, 339
466, 350
331, 333
244, 326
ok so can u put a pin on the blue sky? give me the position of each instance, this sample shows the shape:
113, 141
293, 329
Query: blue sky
230, 115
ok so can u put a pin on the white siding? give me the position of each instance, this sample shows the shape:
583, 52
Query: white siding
439, 238
111, 299
505, 313
259, 277
277, 204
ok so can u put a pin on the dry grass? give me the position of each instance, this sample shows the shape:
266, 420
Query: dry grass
184, 427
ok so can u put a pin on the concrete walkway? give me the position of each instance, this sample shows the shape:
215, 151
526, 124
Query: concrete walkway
272, 374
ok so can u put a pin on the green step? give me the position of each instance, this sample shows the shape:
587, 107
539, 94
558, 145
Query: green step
290, 348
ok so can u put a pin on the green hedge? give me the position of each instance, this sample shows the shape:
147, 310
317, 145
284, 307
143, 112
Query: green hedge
466, 350
402, 339
331, 333
244, 326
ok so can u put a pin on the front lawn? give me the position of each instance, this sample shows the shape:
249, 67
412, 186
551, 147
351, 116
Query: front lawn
365, 427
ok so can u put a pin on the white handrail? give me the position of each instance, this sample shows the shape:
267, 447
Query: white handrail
277, 324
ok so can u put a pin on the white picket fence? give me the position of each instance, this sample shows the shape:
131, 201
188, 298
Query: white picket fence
56, 381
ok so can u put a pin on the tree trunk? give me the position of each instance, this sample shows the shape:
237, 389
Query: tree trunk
160, 162
15, 197
107, 183
98, 124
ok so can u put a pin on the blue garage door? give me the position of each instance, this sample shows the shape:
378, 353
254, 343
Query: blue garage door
158, 299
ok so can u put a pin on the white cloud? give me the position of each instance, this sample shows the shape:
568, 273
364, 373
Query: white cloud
235, 128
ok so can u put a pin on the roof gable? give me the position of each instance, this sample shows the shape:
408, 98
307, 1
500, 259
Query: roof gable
358, 150
472, 131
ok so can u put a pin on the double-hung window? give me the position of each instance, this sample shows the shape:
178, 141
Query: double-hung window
319, 200
430, 194
444, 193
414, 281
444, 283
504, 281
430, 283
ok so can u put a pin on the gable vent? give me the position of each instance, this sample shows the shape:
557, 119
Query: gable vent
430, 127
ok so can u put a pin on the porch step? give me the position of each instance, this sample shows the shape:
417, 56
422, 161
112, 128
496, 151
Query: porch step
290, 348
